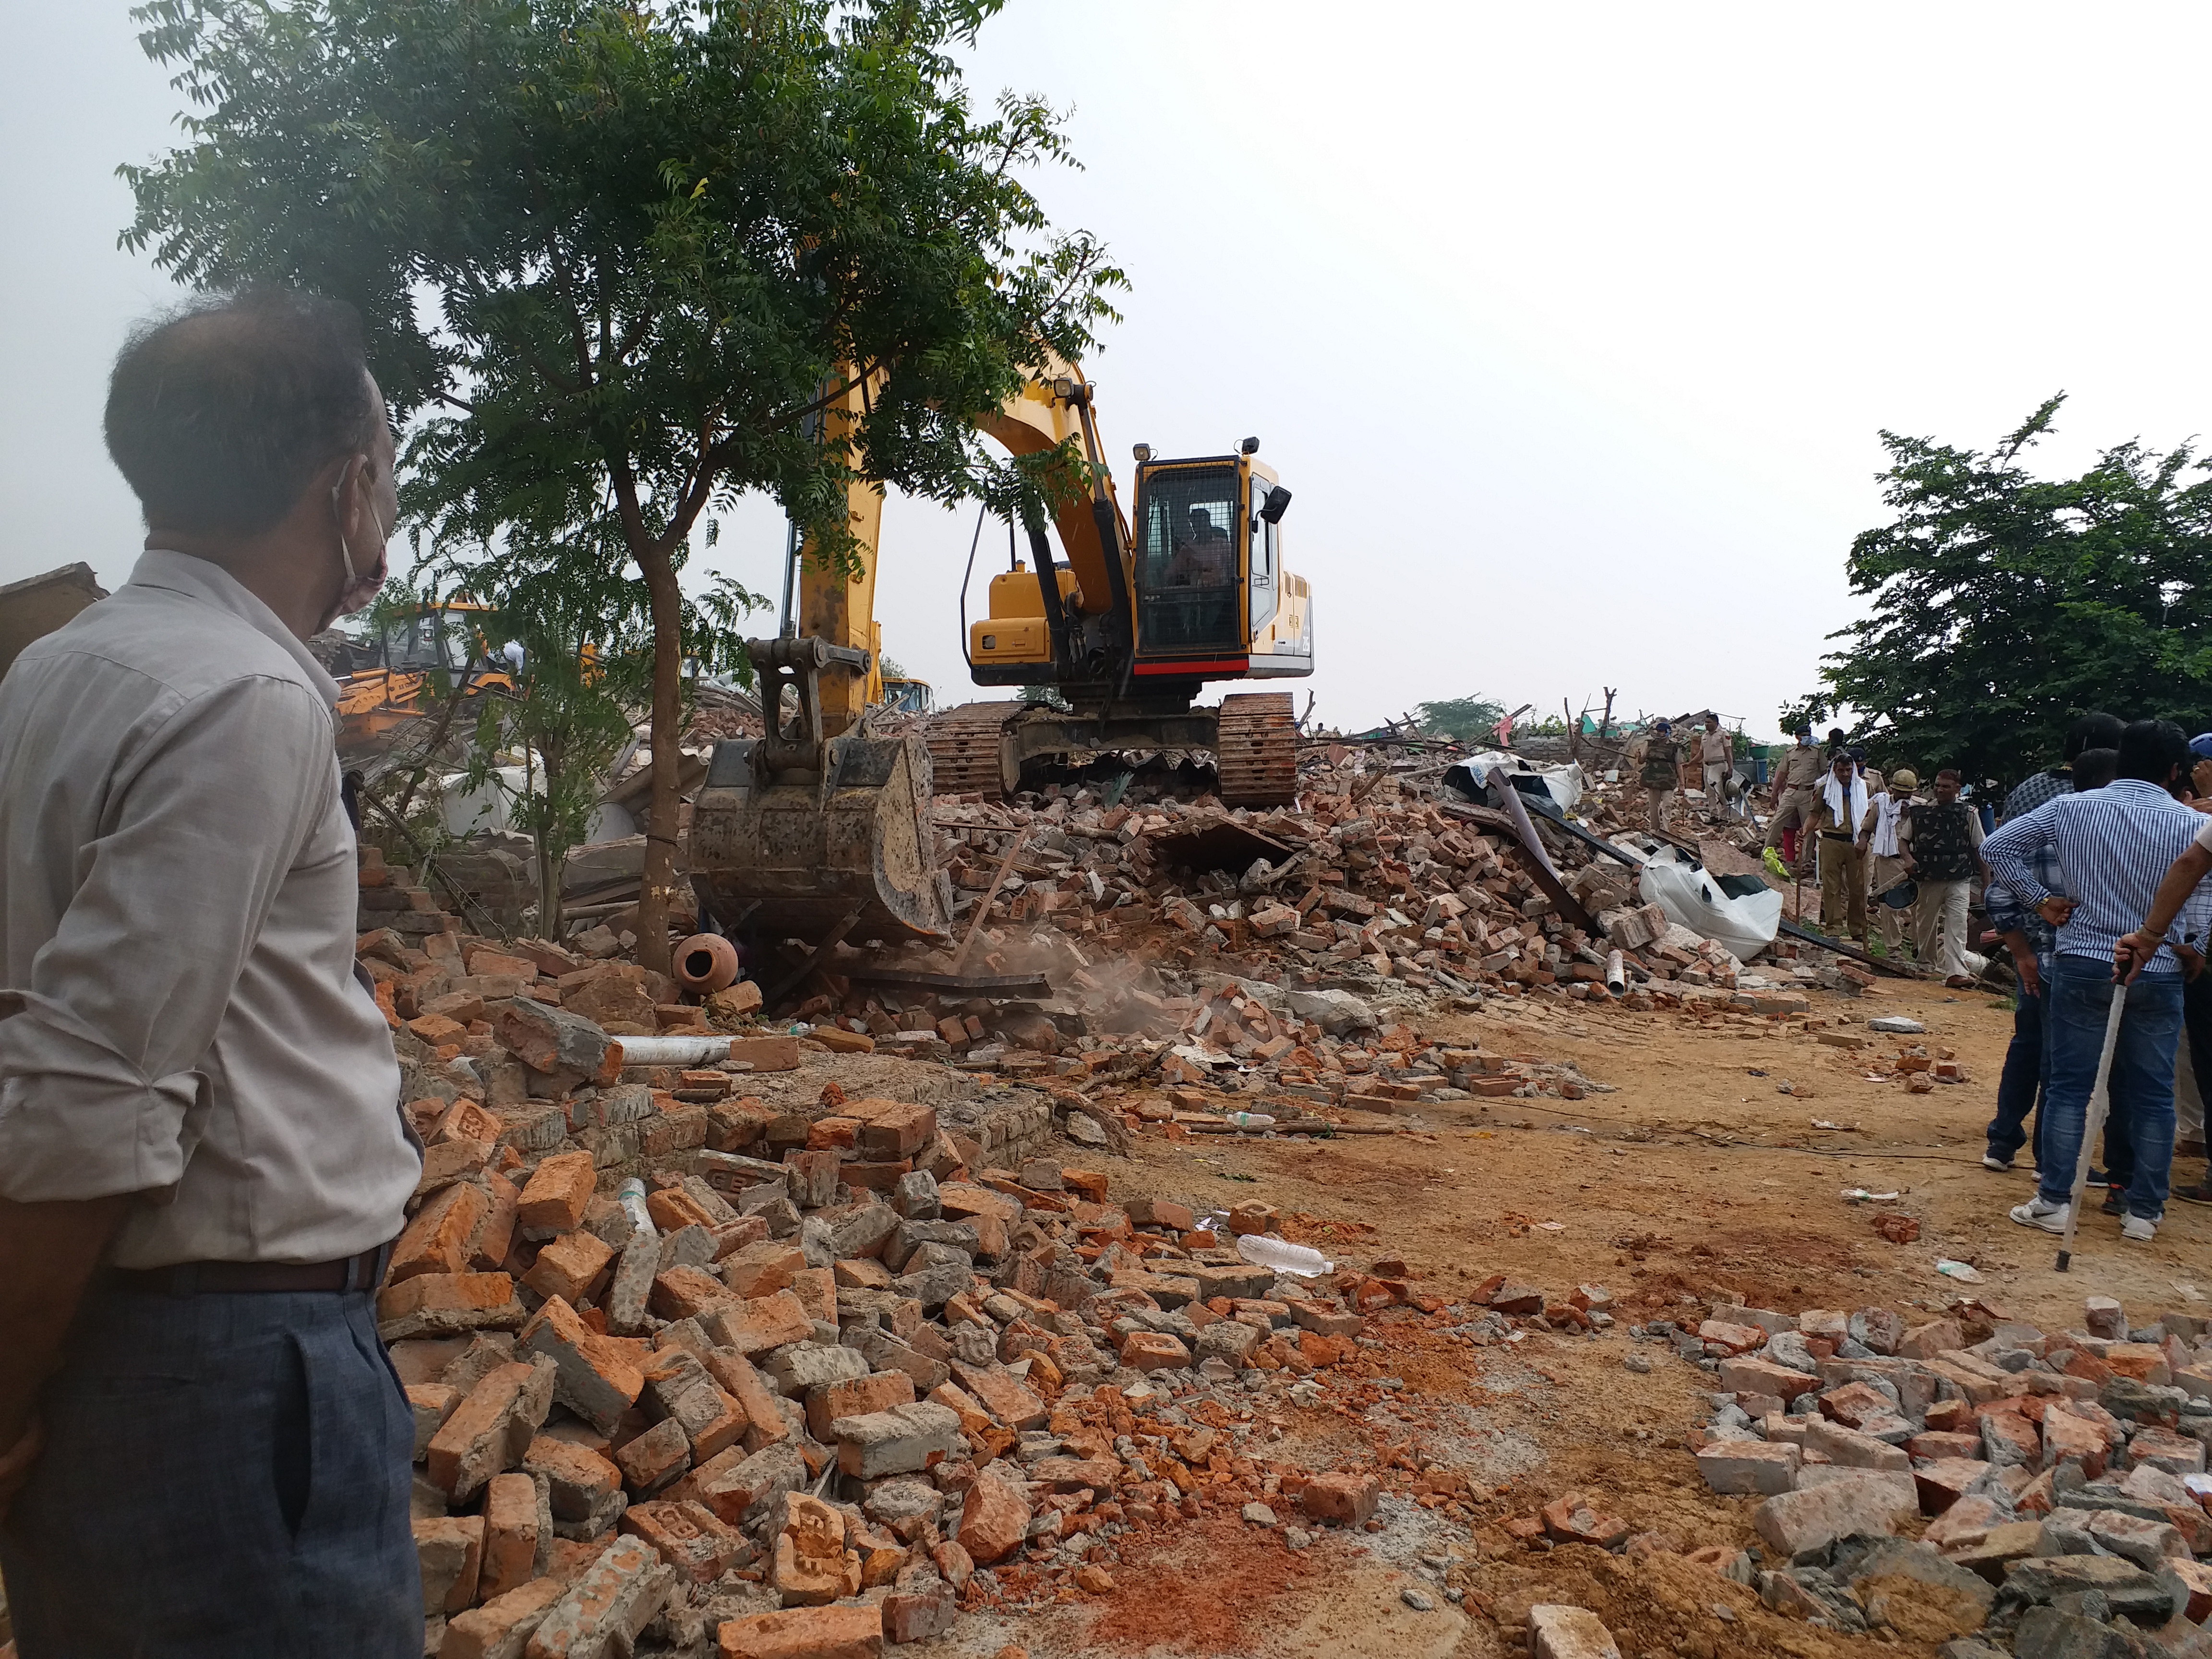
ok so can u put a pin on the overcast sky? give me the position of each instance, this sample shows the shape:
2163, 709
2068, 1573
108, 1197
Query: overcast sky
1572, 328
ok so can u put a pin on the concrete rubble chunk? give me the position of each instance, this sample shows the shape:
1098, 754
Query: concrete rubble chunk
1559, 1632
1800, 1524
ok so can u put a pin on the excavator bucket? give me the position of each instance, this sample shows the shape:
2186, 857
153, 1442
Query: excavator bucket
794, 854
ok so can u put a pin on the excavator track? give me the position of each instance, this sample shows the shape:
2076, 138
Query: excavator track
969, 751
1256, 754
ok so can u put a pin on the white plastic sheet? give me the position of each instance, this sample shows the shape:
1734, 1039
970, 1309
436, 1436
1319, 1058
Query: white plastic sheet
1563, 782
1680, 886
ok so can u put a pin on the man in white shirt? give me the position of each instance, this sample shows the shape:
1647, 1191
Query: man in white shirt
203, 1161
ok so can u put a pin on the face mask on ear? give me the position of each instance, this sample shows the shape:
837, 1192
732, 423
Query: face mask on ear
359, 590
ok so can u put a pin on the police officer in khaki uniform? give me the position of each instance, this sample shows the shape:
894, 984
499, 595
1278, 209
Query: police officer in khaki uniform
1797, 786
1716, 753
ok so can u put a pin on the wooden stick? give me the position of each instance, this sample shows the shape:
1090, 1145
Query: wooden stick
983, 905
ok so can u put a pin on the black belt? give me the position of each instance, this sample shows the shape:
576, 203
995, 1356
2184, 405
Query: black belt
355, 1272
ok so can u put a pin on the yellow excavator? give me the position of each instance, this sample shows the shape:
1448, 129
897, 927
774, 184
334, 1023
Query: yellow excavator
389, 680
817, 830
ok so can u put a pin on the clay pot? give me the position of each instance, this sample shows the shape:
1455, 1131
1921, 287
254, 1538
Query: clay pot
706, 962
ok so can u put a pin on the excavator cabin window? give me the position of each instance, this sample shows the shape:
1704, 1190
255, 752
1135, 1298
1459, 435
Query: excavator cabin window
428, 640
1188, 572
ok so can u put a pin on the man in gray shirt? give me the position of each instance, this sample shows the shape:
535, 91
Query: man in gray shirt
202, 1447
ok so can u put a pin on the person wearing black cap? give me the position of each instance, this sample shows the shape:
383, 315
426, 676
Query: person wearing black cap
1659, 770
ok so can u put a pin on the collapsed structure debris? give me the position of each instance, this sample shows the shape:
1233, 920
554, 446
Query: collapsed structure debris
717, 1357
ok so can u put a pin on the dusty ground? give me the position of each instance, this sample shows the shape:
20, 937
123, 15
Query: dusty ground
1697, 1179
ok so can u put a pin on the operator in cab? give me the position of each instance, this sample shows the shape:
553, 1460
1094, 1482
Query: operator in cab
1204, 559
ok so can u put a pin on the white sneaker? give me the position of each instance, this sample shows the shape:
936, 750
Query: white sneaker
1992, 1161
2140, 1228
2051, 1217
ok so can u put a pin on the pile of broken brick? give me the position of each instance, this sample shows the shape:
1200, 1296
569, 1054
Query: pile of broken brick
760, 1406
2062, 1474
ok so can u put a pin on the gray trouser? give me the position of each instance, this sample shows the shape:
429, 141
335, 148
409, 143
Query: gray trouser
225, 1477
1717, 802
1943, 904
1661, 804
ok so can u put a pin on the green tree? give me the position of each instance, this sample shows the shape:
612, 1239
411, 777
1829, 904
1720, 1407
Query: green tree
1459, 719
617, 257
586, 670
2005, 605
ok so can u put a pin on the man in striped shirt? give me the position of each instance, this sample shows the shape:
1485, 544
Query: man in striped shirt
2116, 845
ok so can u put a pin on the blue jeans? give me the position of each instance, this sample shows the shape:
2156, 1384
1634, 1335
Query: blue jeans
2020, 1084
2079, 998
225, 1477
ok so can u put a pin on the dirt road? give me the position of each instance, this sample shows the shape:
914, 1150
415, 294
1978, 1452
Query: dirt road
1698, 1178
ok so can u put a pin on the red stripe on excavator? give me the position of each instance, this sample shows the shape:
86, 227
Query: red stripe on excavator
1214, 665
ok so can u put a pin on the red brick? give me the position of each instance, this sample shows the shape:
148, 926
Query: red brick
917, 1615
1348, 1499
1940, 1484
598, 1380
994, 1517
437, 1240
762, 1269
2144, 1361
687, 1535
437, 1030
2068, 1438
756, 1325
1004, 1396
879, 1391
1935, 1444
900, 1133
569, 1266
1854, 1403
834, 1632
1747, 1375
481, 960
687, 1292
754, 1397
489, 1431
1154, 1351
555, 1197
445, 1293
655, 1458
502, 1625
768, 1053
450, 1552
510, 1539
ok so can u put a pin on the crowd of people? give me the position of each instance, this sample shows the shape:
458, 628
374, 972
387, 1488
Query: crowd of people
2095, 875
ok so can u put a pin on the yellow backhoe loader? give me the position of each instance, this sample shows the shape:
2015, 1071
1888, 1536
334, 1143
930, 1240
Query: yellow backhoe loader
815, 830
390, 678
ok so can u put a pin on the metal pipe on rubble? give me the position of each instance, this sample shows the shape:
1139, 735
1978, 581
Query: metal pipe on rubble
1616, 975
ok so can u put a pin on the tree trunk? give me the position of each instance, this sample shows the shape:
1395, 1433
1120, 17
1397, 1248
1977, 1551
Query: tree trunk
659, 884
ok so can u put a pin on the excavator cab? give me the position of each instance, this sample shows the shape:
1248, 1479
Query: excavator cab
1210, 585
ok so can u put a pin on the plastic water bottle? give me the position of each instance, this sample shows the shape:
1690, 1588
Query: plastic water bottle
631, 1196
1249, 1120
1284, 1257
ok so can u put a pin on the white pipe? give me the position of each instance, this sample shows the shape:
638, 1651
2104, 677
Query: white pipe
673, 1050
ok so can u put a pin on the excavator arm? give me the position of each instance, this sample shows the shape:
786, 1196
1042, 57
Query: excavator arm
838, 606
